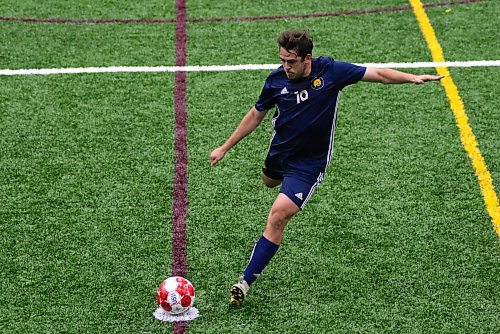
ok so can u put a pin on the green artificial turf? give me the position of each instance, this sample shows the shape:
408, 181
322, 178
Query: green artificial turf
478, 91
468, 31
28, 45
233, 8
88, 9
397, 36
395, 240
85, 201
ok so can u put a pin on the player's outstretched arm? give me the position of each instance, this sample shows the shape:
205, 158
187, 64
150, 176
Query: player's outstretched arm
390, 76
249, 122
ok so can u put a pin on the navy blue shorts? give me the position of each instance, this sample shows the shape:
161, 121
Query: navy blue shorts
297, 185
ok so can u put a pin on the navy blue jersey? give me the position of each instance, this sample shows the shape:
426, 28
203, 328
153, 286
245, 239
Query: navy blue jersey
306, 109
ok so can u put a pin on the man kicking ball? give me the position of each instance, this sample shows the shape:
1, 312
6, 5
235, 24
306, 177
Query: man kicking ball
305, 92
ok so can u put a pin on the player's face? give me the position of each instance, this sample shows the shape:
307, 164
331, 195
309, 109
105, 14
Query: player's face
295, 67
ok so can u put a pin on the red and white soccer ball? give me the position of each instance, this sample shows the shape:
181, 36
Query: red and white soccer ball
175, 295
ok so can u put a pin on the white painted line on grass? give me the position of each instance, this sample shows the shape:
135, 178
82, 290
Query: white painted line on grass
472, 63
216, 68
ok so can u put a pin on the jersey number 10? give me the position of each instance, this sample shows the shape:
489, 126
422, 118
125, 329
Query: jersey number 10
302, 96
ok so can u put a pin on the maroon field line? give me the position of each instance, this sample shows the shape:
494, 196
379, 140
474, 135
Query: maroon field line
226, 19
179, 195
344, 13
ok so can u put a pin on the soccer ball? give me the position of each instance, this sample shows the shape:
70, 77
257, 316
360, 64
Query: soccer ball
175, 295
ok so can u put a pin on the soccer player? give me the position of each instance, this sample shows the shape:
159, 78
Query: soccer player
305, 92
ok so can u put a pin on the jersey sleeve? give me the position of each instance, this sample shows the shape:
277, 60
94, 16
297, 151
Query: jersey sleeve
266, 100
347, 73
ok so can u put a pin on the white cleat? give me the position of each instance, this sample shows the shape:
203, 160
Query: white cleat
239, 292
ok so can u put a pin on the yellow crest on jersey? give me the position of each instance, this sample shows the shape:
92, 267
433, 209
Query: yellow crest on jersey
317, 83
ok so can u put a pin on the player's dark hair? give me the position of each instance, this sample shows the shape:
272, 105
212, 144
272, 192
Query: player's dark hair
299, 41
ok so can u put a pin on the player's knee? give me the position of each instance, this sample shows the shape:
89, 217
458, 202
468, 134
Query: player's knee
279, 216
278, 219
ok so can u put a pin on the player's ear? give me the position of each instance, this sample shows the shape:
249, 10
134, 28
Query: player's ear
308, 58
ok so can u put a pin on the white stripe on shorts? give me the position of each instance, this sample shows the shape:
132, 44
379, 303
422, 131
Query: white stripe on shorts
313, 188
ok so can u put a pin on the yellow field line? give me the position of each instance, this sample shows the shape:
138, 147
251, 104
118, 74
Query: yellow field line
466, 135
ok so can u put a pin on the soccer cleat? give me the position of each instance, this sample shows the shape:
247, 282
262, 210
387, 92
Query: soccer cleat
239, 292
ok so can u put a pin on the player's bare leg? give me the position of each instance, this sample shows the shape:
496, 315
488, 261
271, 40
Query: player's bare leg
270, 183
281, 212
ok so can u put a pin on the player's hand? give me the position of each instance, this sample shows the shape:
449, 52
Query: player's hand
217, 155
421, 79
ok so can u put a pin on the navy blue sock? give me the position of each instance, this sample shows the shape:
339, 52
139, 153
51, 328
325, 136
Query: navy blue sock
262, 253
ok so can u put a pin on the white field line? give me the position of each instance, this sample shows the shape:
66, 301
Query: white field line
215, 68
